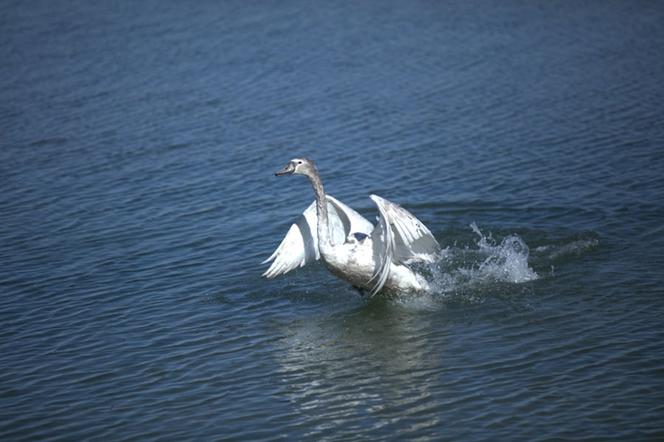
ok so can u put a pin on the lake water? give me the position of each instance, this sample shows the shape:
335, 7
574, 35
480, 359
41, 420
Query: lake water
138, 146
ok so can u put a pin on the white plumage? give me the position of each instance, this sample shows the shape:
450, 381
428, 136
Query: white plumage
370, 258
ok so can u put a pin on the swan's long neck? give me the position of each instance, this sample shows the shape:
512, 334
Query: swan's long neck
324, 242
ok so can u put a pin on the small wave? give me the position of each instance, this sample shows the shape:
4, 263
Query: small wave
573, 248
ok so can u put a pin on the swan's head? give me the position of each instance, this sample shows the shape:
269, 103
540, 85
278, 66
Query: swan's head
300, 166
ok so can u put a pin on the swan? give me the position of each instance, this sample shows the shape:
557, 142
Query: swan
372, 259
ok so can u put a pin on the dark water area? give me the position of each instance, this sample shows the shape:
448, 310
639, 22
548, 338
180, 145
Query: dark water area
138, 143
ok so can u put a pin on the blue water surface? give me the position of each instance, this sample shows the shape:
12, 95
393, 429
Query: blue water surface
138, 142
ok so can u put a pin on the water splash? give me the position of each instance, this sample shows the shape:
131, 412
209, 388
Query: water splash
468, 270
483, 268
507, 261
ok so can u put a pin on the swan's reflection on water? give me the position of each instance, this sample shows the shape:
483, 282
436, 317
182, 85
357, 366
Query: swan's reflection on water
365, 368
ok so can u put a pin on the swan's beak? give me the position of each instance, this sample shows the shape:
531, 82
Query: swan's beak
287, 170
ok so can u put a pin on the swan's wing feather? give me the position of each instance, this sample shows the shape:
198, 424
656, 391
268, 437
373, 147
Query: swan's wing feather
399, 238
412, 239
299, 246
352, 221
383, 242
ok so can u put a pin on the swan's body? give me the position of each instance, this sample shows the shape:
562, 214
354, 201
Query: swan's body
370, 258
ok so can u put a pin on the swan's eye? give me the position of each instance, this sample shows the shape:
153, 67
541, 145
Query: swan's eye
299, 162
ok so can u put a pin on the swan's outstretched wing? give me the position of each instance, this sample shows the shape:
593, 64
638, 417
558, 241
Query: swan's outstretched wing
300, 246
399, 238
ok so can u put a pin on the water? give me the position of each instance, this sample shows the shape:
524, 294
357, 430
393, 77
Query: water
139, 143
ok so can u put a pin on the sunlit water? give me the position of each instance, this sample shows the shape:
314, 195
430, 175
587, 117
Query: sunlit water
139, 142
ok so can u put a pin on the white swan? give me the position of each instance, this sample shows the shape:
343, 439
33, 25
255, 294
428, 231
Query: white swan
371, 258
